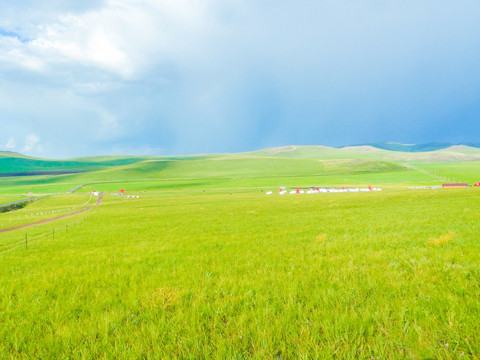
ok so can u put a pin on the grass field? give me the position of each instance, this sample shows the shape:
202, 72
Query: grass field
468, 172
205, 265
46, 208
5, 199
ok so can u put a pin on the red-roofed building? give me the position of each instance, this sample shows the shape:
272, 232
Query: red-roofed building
454, 185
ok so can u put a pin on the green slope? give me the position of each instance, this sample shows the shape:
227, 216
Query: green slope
245, 168
21, 165
286, 166
320, 152
460, 172
452, 153
17, 164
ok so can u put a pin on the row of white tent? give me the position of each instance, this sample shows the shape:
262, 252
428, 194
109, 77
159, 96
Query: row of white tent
49, 212
426, 187
324, 190
127, 196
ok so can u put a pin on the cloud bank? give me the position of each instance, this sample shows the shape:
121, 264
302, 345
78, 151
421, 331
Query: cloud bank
191, 76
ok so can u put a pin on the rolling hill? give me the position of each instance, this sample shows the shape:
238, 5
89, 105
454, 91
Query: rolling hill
289, 165
432, 146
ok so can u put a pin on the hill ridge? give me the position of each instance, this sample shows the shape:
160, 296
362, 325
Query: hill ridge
424, 147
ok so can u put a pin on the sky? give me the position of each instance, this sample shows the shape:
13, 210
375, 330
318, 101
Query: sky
158, 77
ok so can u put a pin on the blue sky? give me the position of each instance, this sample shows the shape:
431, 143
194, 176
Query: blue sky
197, 76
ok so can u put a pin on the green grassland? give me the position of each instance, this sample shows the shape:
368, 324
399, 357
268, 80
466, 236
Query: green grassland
18, 163
14, 164
231, 170
4, 199
46, 208
205, 265
293, 165
468, 172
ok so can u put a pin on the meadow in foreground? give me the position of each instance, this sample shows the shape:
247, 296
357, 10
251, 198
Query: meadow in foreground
244, 275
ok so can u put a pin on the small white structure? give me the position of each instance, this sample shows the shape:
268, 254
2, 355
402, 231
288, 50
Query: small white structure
269, 193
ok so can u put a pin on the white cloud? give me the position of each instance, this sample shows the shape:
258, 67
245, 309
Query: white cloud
124, 37
11, 144
212, 75
32, 144
16, 53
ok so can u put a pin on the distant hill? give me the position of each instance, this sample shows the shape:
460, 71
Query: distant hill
346, 159
14, 164
13, 154
432, 146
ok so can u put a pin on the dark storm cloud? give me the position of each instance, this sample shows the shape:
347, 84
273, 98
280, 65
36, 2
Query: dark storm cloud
211, 76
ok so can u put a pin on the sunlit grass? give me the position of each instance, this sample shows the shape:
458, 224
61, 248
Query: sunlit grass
205, 265
442, 239
46, 208
244, 275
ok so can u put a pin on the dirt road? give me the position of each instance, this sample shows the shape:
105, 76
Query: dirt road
46, 221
